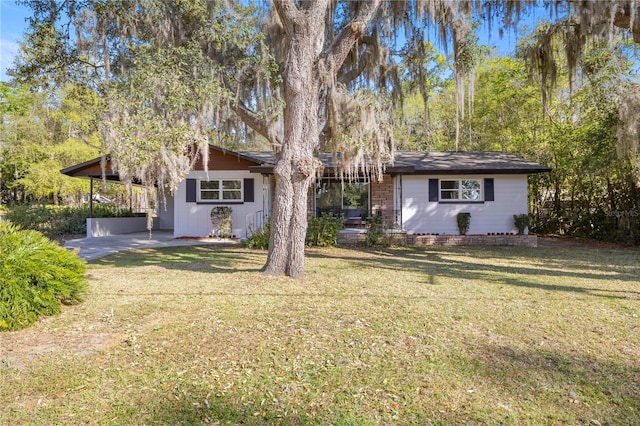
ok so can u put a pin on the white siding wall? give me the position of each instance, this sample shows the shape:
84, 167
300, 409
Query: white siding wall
194, 220
420, 216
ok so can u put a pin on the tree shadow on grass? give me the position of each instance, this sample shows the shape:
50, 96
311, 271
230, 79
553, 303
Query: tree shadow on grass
447, 262
565, 270
205, 258
591, 388
197, 406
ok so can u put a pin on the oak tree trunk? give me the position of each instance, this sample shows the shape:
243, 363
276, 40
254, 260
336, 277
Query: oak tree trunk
306, 69
295, 164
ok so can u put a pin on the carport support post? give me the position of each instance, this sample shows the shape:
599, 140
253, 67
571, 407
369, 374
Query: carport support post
90, 198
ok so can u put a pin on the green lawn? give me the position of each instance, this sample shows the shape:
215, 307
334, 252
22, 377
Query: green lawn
400, 336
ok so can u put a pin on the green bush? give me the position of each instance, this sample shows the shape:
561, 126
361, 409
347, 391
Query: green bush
380, 234
36, 276
323, 231
260, 238
57, 221
375, 231
521, 222
463, 220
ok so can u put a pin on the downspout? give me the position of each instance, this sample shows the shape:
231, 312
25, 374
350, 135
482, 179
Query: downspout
266, 198
398, 200
89, 221
369, 195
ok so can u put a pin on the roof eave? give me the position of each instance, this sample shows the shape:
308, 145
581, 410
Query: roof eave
76, 168
493, 171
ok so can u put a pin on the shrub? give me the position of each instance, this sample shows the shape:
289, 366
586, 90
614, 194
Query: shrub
36, 276
381, 234
464, 220
260, 238
323, 231
375, 231
521, 221
56, 221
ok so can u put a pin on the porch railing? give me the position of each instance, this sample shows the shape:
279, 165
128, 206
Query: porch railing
256, 221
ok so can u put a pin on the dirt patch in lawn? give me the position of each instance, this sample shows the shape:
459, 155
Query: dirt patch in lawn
18, 349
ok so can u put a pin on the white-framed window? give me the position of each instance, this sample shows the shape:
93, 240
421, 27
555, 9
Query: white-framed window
221, 190
460, 190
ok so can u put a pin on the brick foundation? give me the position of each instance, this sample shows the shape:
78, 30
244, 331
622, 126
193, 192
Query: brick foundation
352, 239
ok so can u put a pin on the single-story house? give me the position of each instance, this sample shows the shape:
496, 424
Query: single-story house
421, 192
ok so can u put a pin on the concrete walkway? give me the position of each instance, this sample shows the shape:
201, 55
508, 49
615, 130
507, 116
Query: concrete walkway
96, 247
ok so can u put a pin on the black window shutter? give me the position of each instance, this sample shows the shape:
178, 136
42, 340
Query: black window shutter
488, 190
248, 190
192, 187
433, 190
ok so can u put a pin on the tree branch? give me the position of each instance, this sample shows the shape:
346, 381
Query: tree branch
251, 119
288, 13
623, 20
356, 71
350, 75
339, 50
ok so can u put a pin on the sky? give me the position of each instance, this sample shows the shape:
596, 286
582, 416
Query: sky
13, 25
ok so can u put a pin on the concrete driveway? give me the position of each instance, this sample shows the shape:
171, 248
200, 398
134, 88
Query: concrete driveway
96, 247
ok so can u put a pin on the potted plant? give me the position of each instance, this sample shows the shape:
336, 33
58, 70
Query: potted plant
221, 221
521, 222
464, 219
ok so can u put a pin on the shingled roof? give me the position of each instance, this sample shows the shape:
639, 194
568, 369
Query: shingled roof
405, 162
460, 162
417, 162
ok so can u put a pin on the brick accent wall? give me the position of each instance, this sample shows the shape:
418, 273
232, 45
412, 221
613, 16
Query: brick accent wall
382, 198
473, 240
447, 240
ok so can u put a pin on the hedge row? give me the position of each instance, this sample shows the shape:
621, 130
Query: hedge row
57, 221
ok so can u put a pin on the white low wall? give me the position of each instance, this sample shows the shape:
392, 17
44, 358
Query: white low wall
105, 226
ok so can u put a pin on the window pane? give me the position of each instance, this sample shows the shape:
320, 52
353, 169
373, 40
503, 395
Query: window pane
449, 184
355, 195
471, 194
231, 195
471, 184
209, 184
470, 189
449, 195
329, 195
231, 184
209, 195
